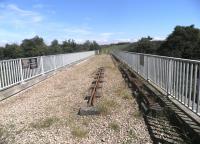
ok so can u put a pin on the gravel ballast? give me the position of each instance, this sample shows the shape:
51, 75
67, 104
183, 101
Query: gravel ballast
47, 112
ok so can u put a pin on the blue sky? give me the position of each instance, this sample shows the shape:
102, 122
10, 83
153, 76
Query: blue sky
105, 21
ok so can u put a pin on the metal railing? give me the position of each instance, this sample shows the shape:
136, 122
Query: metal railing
17, 71
179, 78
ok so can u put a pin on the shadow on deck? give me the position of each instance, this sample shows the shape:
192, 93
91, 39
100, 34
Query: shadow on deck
157, 118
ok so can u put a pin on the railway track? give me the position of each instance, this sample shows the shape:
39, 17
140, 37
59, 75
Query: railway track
95, 91
96, 86
163, 124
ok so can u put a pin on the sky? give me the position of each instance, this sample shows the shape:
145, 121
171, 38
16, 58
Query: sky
106, 21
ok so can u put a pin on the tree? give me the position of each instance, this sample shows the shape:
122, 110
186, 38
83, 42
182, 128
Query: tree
12, 51
94, 46
66, 47
144, 45
1, 53
91, 45
86, 45
54, 48
34, 47
183, 42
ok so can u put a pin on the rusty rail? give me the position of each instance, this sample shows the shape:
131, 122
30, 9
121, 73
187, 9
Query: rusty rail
96, 86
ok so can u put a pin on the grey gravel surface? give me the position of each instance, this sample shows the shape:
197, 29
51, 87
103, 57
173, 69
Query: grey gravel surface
47, 112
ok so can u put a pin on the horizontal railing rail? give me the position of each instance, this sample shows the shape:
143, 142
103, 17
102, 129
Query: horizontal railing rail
16, 71
179, 78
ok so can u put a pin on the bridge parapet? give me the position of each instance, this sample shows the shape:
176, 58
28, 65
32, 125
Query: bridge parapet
177, 78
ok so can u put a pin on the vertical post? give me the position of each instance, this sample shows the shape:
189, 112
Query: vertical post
21, 71
147, 69
198, 95
190, 86
169, 74
42, 65
54, 62
194, 86
63, 60
137, 63
1, 82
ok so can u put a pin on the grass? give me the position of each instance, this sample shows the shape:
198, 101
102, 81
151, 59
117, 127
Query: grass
132, 134
107, 50
114, 126
3, 135
79, 132
105, 106
126, 95
2, 132
45, 123
137, 114
85, 122
129, 141
69, 121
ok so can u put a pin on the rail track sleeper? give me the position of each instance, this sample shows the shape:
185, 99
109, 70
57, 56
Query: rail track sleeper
95, 91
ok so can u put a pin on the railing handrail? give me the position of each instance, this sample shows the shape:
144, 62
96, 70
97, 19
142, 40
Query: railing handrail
178, 78
166, 57
41, 56
16, 71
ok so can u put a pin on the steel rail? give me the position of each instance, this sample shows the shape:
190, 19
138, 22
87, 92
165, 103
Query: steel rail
94, 90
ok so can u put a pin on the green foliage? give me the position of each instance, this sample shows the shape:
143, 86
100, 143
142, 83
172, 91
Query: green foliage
184, 42
106, 49
33, 47
1, 53
69, 46
79, 132
105, 106
44, 123
54, 48
114, 126
91, 45
37, 47
12, 51
144, 45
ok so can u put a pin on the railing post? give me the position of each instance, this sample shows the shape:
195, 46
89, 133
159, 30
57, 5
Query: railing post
147, 69
54, 62
1, 76
169, 74
137, 63
63, 60
42, 65
21, 71
198, 94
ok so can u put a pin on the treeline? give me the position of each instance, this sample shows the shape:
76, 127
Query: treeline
183, 42
37, 47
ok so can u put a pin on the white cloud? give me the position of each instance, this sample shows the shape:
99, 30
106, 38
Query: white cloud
159, 38
13, 14
3, 42
23, 23
82, 31
106, 34
19, 11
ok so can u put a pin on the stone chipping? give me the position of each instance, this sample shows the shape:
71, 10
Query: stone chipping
47, 112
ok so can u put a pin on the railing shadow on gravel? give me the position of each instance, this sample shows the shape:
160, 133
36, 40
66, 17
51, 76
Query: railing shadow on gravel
159, 127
